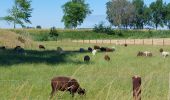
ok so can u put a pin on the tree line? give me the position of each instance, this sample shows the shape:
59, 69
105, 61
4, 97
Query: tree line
126, 14
135, 14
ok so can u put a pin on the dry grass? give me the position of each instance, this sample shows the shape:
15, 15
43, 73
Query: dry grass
11, 40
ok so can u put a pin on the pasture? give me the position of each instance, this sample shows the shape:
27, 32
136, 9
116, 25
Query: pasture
27, 76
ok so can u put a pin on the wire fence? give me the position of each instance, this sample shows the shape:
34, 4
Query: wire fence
162, 41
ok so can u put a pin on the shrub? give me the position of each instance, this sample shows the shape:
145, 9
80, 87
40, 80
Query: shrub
38, 27
53, 33
103, 29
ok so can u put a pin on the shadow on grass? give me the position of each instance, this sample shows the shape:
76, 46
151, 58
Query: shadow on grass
11, 57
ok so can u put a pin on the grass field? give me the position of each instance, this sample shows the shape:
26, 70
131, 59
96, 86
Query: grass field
43, 34
27, 76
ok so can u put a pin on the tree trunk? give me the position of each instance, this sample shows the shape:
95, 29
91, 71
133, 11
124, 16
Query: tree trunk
14, 25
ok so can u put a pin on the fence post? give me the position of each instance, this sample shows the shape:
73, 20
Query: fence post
143, 42
134, 42
136, 80
110, 41
163, 42
152, 41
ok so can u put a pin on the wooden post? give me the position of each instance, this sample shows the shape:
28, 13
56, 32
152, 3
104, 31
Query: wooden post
152, 41
136, 80
143, 42
110, 41
134, 42
163, 42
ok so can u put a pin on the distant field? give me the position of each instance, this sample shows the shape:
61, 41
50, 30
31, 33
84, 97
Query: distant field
27, 76
42, 35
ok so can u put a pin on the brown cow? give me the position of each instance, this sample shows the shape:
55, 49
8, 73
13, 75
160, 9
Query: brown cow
140, 53
107, 58
110, 49
41, 47
63, 83
96, 47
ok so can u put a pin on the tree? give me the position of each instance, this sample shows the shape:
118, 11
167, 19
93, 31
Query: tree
139, 13
19, 13
75, 12
120, 13
158, 13
167, 20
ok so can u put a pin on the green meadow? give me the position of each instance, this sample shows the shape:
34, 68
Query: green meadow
27, 76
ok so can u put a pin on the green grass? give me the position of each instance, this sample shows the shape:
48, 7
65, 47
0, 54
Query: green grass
27, 76
41, 35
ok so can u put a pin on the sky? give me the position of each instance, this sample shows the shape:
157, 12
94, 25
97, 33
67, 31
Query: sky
48, 13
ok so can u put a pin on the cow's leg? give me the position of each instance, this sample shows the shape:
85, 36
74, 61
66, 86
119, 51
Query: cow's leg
54, 89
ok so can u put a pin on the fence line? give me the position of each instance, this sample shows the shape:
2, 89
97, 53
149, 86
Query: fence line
162, 41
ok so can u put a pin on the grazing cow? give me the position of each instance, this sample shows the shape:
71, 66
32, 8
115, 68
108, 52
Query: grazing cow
86, 58
103, 49
2, 48
41, 47
19, 49
81, 50
63, 83
96, 47
59, 49
147, 54
125, 45
94, 52
107, 58
90, 49
140, 53
110, 49
164, 53
161, 50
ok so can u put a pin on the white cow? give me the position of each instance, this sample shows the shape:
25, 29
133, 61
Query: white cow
94, 52
165, 54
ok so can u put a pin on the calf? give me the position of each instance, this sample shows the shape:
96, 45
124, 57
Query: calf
63, 83
41, 47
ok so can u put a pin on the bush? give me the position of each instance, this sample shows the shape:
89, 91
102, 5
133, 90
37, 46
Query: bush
38, 27
53, 33
103, 29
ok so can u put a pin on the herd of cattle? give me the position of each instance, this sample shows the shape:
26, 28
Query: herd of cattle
62, 83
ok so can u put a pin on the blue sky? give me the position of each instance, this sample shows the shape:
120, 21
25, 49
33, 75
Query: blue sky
48, 13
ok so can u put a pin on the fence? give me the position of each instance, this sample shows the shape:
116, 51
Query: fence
162, 41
